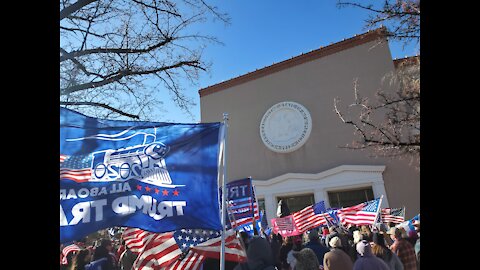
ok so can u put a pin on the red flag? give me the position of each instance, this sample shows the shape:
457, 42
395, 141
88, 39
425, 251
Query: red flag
285, 226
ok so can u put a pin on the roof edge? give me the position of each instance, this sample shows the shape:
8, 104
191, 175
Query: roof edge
406, 61
297, 60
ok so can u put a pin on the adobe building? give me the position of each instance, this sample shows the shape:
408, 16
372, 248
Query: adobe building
284, 132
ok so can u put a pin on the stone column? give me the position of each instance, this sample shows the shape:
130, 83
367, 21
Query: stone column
319, 195
270, 207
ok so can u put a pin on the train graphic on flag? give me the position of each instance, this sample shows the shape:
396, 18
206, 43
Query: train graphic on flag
144, 162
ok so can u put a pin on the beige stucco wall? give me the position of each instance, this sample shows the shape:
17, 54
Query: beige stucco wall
314, 84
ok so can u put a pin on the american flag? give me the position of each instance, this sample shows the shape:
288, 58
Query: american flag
76, 168
361, 214
67, 250
233, 248
311, 217
395, 215
176, 250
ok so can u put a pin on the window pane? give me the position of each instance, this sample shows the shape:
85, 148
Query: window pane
333, 199
346, 198
297, 203
261, 204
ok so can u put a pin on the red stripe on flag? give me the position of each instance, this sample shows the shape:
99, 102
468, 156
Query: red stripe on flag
306, 219
66, 251
233, 249
160, 251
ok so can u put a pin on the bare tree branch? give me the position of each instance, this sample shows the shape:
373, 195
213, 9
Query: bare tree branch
398, 135
124, 53
96, 104
401, 17
67, 11
124, 73
79, 53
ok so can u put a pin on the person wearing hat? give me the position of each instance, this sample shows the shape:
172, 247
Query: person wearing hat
306, 260
332, 232
315, 245
380, 250
336, 258
366, 260
403, 249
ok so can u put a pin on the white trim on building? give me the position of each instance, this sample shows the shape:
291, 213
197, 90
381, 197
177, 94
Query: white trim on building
343, 177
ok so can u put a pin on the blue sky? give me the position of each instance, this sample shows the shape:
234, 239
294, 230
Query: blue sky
264, 32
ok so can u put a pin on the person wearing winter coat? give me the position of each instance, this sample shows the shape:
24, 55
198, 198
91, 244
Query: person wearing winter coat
306, 260
403, 249
315, 245
380, 250
259, 254
284, 250
336, 258
366, 260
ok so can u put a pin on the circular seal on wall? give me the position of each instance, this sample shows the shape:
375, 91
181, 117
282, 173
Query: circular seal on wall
285, 127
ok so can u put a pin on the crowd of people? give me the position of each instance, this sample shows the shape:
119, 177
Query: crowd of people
334, 248
100, 254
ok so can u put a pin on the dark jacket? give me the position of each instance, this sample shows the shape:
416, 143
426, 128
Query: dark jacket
259, 254
127, 258
284, 249
318, 249
306, 260
366, 260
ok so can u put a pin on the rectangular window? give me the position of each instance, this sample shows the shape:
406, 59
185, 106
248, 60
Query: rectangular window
297, 203
261, 205
346, 198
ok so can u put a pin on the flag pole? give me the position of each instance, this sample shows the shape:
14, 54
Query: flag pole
224, 191
220, 173
326, 220
254, 199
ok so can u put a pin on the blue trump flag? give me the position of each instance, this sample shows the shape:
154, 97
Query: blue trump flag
155, 176
241, 198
